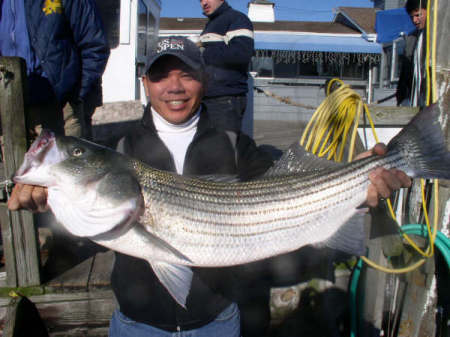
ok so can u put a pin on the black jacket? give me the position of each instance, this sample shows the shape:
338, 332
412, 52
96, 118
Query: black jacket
406, 77
140, 295
229, 47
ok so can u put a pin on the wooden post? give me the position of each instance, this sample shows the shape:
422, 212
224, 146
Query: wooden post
419, 310
18, 231
22, 319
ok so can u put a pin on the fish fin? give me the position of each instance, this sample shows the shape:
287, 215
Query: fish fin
422, 145
162, 245
297, 160
176, 279
351, 237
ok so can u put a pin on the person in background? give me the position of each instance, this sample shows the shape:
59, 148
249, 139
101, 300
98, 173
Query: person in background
66, 51
411, 86
228, 46
176, 135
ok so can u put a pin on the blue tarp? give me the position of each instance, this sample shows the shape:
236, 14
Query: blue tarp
389, 24
309, 42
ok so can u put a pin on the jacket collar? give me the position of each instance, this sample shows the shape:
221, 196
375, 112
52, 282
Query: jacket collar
222, 8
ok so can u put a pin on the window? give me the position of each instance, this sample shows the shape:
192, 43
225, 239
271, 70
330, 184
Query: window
263, 66
145, 33
142, 36
285, 70
110, 13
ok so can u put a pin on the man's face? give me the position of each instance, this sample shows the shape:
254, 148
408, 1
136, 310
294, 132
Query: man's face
174, 89
209, 6
419, 18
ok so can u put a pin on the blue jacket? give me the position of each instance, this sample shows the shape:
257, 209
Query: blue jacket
68, 39
229, 47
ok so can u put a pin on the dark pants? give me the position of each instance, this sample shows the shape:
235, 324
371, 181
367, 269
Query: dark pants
226, 112
72, 119
255, 310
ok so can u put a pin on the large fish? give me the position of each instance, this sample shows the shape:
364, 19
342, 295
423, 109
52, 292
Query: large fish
175, 222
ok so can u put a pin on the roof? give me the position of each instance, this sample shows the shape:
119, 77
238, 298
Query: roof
315, 43
361, 18
191, 24
296, 35
304, 27
182, 23
261, 2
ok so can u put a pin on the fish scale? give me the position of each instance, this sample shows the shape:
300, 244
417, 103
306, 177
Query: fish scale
201, 227
176, 222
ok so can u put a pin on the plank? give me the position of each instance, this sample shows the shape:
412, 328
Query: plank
8, 322
73, 279
24, 318
76, 311
66, 314
418, 303
101, 270
372, 285
25, 257
390, 116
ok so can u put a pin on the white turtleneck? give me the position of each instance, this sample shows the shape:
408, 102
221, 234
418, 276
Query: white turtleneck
176, 137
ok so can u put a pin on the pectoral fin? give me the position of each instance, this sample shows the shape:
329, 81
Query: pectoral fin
176, 278
350, 238
164, 248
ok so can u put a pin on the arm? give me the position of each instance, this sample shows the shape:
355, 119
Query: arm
252, 162
90, 40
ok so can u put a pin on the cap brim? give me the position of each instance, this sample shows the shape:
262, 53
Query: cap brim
184, 59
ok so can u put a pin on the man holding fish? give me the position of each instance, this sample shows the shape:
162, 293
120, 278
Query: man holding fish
175, 136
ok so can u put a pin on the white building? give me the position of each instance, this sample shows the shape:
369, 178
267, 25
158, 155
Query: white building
131, 26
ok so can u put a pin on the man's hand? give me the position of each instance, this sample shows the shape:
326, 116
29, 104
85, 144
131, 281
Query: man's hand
30, 197
383, 182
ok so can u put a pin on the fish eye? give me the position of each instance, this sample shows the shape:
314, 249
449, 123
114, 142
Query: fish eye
77, 151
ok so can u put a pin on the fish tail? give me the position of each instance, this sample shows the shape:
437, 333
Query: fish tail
422, 146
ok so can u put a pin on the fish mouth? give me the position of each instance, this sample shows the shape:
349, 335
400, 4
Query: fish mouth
38, 156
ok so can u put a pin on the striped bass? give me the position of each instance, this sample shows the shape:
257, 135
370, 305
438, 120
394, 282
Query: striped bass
175, 222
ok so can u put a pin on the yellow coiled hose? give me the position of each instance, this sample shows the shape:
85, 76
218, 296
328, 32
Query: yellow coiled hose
326, 135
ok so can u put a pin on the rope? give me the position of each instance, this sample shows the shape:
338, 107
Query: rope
284, 99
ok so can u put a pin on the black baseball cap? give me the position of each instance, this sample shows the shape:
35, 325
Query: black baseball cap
179, 46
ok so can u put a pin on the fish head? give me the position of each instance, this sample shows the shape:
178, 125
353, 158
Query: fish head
53, 160
91, 190
42, 153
